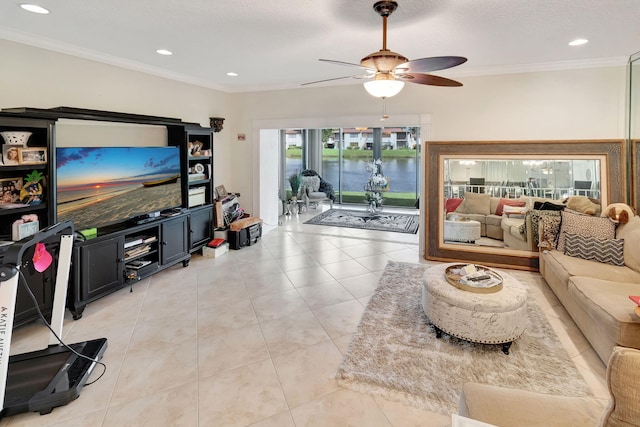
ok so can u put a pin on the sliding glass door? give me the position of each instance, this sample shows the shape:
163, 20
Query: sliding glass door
340, 157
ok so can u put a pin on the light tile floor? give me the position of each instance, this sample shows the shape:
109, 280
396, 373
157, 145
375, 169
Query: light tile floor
254, 337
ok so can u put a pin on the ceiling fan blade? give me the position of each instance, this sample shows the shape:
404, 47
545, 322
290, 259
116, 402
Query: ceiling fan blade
329, 80
428, 79
348, 64
425, 65
357, 76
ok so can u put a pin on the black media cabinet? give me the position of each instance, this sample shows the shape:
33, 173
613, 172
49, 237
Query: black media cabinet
108, 262
124, 253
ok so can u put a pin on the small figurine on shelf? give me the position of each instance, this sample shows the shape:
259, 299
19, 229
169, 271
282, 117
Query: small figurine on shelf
376, 183
31, 192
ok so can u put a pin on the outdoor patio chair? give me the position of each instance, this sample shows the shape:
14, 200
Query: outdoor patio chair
311, 193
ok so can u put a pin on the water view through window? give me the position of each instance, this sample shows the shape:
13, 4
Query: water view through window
344, 153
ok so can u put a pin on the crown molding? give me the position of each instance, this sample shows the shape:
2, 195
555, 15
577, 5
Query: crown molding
68, 49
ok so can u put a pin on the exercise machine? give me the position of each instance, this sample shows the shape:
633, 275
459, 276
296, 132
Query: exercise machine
41, 380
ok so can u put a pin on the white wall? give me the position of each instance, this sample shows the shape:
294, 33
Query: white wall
33, 77
582, 104
572, 104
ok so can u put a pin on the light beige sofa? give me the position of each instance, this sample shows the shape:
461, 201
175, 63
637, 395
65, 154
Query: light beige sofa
513, 236
596, 295
507, 407
482, 208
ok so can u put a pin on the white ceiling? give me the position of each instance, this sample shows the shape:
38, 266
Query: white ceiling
276, 44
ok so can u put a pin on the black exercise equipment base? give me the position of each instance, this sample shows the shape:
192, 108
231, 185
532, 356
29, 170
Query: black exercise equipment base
42, 380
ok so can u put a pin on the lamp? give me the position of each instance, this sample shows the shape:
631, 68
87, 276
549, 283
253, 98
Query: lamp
384, 85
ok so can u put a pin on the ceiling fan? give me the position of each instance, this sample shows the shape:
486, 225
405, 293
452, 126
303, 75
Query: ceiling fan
389, 70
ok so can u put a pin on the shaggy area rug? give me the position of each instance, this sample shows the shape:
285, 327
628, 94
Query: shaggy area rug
394, 352
400, 223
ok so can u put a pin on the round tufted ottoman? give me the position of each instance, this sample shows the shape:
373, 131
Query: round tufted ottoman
462, 231
495, 318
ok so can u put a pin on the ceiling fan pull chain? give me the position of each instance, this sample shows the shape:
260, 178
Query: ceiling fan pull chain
384, 109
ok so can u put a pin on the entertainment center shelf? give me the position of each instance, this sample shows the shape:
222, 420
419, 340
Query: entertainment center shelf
101, 263
120, 253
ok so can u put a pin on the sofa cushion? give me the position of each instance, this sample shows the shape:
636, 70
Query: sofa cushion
475, 203
607, 303
508, 202
493, 220
493, 204
623, 377
452, 204
512, 226
501, 406
569, 266
584, 225
609, 251
630, 232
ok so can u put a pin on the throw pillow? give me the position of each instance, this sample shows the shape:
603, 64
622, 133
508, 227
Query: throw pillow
606, 251
539, 215
550, 229
452, 204
584, 225
547, 206
475, 203
508, 202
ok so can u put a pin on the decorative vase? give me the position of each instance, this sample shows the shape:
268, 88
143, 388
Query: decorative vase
16, 138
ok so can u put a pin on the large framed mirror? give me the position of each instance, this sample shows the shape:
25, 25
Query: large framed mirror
499, 181
635, 172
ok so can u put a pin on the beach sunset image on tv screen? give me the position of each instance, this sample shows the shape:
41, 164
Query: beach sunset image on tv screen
106, 185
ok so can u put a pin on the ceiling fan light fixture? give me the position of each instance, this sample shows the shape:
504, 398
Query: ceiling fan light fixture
384, 86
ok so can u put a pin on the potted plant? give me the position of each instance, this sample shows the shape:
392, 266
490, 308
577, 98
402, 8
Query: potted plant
294, 181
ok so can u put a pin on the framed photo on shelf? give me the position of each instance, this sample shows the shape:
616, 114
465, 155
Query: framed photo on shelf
33, 156
10, 190
221, 192
10, 155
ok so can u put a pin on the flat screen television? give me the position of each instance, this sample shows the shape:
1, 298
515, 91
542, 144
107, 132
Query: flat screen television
99, 186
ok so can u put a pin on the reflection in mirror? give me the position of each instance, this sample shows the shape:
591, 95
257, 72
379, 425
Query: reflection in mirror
487, 201
549, 178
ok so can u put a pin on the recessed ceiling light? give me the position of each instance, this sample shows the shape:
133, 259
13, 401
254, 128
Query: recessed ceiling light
578, 42
34, 8
164, 52
232, 74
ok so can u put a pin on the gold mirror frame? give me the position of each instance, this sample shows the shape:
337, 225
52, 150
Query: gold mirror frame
635, 178
613, 187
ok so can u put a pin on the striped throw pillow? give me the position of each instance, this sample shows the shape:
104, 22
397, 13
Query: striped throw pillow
584, 225
608, 251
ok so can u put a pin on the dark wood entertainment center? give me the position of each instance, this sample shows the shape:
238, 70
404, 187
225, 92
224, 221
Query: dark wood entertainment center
119, 254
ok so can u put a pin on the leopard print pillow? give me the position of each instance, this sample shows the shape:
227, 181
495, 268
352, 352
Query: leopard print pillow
584, 225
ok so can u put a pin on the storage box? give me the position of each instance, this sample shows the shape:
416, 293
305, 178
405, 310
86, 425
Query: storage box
25, 229
215, 252
196, 196
219, 218
245, 237
220, 234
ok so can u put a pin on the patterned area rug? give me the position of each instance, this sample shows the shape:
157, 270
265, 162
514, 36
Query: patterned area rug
400, 223
394, 352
